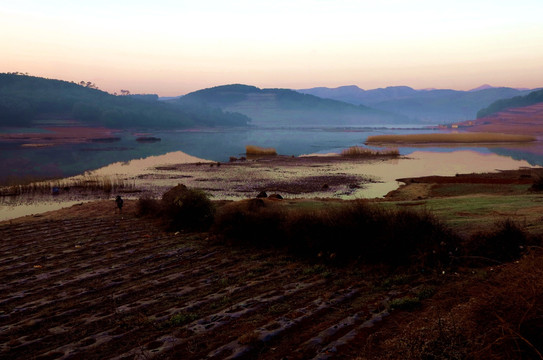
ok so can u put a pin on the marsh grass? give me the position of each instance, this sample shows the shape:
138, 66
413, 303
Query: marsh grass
356, 231
90, 183
449, 138
252, 150
359, 151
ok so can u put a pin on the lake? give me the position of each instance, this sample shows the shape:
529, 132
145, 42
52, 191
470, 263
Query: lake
130, 158
211, 144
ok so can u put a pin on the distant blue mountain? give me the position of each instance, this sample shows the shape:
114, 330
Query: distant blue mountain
284, 107
430, 105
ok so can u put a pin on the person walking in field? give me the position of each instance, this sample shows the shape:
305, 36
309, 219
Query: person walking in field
119, 201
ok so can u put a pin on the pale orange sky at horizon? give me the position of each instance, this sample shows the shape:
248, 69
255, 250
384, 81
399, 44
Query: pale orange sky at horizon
171, 48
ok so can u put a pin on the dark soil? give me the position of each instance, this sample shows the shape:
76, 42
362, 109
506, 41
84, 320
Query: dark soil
89, 283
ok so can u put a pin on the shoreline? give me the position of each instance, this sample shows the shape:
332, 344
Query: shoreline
333, 177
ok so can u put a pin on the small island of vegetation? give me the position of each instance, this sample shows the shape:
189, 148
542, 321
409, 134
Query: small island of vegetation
449, 138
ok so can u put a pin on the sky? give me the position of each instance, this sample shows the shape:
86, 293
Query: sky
170, 48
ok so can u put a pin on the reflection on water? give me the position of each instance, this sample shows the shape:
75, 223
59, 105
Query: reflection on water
220, 144
216, 145
424, 163
142, 166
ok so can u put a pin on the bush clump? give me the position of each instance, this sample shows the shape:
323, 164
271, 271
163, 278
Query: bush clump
180, 208
189, 209
505, 243
537, 184
251, 222
356, 231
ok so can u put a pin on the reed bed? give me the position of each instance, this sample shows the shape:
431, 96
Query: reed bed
91, 183
259, 151
450, 138
359, 151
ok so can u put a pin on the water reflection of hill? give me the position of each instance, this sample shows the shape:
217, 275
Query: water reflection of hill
216, 145
533, 154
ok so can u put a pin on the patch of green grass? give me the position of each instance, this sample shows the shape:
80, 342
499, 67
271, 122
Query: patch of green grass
182, 319
405, 303
472, 189
474, 212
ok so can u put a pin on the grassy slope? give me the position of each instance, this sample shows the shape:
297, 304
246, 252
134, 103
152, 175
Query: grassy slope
532, 98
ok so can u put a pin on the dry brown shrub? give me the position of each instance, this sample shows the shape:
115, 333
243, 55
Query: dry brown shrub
259, 151
497, 318
359, 151
509, 313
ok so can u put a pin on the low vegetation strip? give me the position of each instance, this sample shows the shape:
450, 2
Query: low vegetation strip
449, 138
359, 151
355, 231
259, 151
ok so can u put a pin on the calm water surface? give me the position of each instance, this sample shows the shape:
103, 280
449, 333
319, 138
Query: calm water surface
219, 145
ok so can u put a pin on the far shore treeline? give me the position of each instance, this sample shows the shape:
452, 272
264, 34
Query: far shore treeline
24, 99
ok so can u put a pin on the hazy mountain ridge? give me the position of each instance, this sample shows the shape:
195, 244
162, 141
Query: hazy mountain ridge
24, 99
285, 107
431, 105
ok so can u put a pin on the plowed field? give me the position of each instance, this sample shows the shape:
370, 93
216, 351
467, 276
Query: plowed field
88, 283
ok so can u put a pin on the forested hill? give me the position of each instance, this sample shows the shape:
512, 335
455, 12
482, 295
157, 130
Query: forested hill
532, 98
24, 99
283, 107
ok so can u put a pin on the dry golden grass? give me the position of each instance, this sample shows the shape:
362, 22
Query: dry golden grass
359, 151
82, 182
454, 138
259, 151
